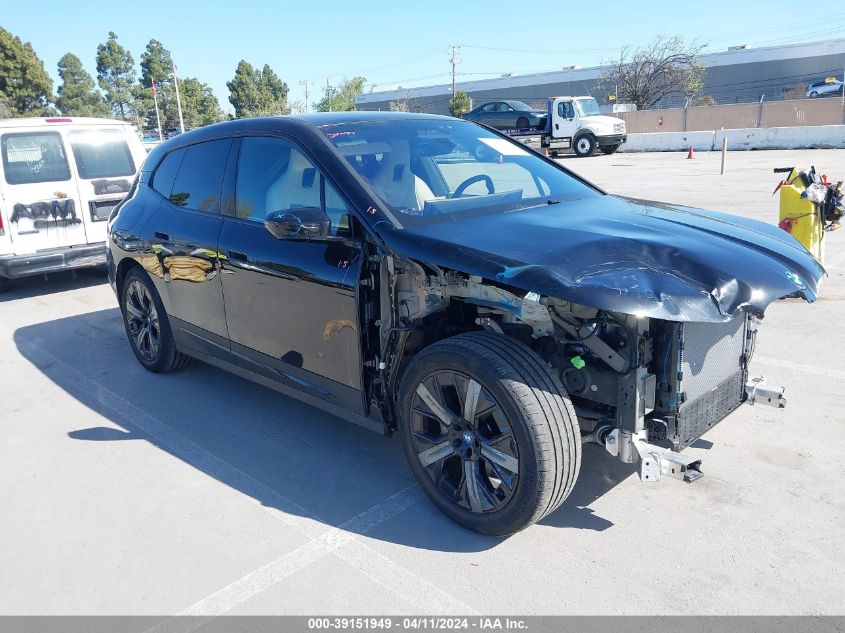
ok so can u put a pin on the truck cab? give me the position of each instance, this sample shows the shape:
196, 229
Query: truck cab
578, 123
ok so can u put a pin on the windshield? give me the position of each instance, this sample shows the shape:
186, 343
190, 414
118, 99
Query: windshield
431, 170
587, 107
101, 154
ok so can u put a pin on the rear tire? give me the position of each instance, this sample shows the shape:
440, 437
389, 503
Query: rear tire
518, 441
607, 150
4, 284
147, 326
584, 145
522, 123
814, 94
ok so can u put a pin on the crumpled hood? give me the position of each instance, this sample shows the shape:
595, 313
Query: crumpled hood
632, 256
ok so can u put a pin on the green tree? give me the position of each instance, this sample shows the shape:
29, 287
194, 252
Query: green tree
157, 65
77, 96
666, 66
341, 97
199, 105
116, 77
257, 93
459, 104
24, 82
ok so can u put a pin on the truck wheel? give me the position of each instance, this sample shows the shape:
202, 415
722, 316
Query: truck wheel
607, 150
489, 432
522, 123
146, 324
585, 145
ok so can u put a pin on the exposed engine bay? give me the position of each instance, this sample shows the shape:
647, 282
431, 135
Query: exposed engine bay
631, 379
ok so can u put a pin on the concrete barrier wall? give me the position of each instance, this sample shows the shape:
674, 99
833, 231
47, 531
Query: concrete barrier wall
668, 141
818, 136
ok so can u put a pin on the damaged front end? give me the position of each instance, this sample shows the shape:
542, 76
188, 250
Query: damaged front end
643, 387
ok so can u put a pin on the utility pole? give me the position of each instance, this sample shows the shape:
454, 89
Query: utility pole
454, 59
158, 116
178, 100
305, 83
328, 94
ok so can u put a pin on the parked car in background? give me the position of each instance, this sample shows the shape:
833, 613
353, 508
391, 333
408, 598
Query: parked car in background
431, 277
60, 179
825, 88
508, 115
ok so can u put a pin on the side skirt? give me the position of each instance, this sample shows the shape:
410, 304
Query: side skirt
367, 422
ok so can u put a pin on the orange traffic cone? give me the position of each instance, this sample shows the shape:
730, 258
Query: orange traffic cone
546, 152
690, 154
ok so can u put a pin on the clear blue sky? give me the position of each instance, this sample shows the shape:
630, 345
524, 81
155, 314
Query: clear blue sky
400, 41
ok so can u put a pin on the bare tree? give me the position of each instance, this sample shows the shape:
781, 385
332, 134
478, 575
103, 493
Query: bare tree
666, 66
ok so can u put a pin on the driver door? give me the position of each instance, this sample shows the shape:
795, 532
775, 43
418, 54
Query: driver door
565, 120
291, 304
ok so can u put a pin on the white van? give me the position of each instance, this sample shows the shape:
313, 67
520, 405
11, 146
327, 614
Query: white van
60, 178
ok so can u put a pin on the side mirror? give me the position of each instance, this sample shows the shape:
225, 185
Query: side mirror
303, 223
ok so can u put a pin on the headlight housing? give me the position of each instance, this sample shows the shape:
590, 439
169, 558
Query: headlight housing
619, 128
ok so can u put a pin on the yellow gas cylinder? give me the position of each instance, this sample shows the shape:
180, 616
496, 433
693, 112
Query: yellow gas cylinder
800, 217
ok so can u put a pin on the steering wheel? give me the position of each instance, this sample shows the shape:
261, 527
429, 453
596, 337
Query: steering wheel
459, 191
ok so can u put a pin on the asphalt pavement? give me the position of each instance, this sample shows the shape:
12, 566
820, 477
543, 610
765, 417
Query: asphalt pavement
125, 492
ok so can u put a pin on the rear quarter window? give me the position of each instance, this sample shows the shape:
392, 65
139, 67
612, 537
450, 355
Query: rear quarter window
192, 177
33, 157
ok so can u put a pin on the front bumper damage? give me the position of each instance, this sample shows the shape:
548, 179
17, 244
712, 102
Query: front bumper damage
653, 461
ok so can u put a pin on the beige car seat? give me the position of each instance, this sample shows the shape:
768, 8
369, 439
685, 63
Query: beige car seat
298, 186
396, 183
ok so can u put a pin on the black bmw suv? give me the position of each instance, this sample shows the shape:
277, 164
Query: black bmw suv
425, 275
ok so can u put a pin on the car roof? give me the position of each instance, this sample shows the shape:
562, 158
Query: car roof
59, 121
291, 123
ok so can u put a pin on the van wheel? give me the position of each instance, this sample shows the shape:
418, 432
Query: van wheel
585, 145
607, 150
147, 326
489, 433
522, 123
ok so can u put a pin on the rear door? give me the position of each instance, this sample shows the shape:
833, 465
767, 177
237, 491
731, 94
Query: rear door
39, 193
105, 165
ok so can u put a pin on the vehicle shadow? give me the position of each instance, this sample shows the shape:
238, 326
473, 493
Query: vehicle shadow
283, 453
40, 285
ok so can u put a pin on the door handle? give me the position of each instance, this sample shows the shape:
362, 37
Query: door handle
237, 256
557, 126
162, 236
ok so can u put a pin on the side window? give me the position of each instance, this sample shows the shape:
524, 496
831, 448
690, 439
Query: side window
490, 107
199, 180
570, 110
504, 107
165, 175
274, 175
34, 157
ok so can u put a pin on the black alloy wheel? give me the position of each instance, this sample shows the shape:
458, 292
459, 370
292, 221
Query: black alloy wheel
488, 432
464, 442
147, 326
142, 322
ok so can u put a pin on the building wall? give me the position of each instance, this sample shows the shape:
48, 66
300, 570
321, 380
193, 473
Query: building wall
741, 76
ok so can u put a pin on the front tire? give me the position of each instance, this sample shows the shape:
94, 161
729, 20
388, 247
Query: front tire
522, 123
147, 326
585, 145
607, 150
488, 431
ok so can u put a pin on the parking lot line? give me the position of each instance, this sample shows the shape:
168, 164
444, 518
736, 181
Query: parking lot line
341, 540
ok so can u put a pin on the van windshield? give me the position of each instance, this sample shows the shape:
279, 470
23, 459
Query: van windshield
101, 154
436, 170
